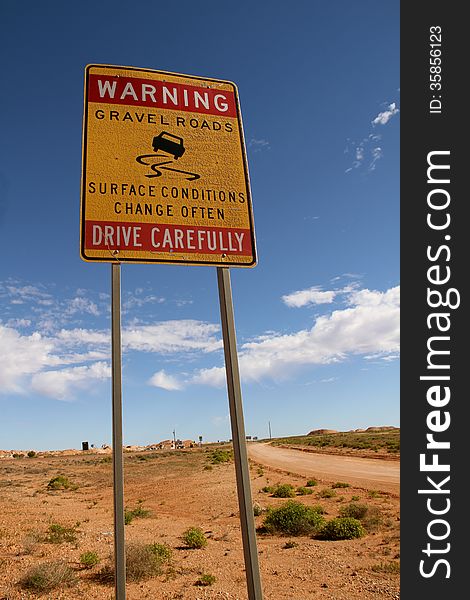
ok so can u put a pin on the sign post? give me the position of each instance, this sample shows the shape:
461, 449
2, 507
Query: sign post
242, 470
118, 471
165, 180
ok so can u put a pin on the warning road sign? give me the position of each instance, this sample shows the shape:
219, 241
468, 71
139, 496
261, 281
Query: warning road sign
164, 175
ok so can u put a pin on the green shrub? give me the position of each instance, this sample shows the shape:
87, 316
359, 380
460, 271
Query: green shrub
284, 490
341, 528
48, 576
356, 511
31, 454
61, 482
355, 498
58, 534
311, 483
291, 544
221, 456
388, 441
162, 551
327, 493
268, 489
370, 516
205, 579
89, 559
137, 513
293, 518
340, 484
194, 538
304, 491
142, 562
373, 519
257, 509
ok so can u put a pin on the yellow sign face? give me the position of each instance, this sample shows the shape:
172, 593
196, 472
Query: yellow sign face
164, 176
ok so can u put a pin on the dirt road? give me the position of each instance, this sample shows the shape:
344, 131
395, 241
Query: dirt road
363, 472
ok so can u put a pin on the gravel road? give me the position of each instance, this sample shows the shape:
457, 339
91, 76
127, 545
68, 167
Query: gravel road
368, 473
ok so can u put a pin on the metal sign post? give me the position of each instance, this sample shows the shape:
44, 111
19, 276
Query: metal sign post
250, 551
118, 471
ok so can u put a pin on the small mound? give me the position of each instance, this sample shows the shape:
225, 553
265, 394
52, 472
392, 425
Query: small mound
322, 431
384, 428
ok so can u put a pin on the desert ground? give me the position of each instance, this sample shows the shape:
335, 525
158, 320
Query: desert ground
168, 492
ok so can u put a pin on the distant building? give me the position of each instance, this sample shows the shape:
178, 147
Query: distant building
189, 443
170, 445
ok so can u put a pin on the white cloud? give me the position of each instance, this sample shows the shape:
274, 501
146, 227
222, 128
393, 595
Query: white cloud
362, 151
18, 323
74, 337
137, 300
165, 381
181, 302
367, 151
173, 336
258, 145
53, 364
384, 117
24, 355
63, 384
369, 326
376, 155
367, 297
27, 292
81, 305
34, 361
214, 377
312, 295
81, 357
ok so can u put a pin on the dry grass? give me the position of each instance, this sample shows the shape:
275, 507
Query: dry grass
61, 482
386, 567
49, 576
142, 562
59, 534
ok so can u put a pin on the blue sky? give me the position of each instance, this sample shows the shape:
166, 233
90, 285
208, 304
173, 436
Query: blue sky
318, 317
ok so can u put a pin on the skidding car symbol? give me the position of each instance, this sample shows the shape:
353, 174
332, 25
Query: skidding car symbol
163, 142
